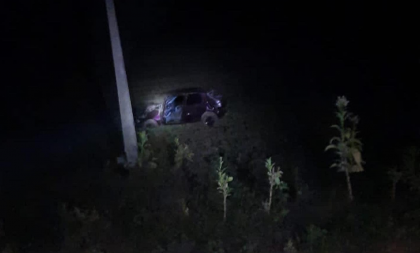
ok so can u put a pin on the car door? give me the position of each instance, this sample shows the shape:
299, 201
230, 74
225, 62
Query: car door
195, 106
173, 112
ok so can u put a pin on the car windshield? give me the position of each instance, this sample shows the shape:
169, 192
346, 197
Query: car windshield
172, 102
179, 100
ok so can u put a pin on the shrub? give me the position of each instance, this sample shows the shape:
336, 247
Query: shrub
411, 168
182, 154
142, 142
395, 176
223, 184
347, 146
274, 179
289, 248
315, 236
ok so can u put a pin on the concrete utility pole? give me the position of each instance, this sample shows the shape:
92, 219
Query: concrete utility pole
126, 112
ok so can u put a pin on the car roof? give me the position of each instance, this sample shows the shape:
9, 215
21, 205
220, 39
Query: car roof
186, 90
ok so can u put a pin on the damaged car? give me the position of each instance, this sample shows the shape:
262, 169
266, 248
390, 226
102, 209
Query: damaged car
183, 106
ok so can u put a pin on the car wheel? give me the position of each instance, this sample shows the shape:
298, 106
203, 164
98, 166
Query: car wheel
150, 123
209, 118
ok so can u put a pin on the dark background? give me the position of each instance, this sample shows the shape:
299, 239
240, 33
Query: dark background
58, 61
58, 65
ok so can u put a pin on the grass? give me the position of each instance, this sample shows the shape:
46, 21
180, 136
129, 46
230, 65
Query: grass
175, 205
182, 213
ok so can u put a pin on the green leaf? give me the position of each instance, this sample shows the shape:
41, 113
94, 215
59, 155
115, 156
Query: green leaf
284, 212
334, 139
345, 115
277, 180
332, 146
336, 127
339, 114
347, 134
356, 141
334, 165
283, 186
268, 164
230, 179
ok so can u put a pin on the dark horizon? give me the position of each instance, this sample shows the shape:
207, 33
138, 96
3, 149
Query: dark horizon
61, 52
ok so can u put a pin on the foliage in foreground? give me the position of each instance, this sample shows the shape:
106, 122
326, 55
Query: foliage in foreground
143, 145
182, 154
179, 210
347, 145
274, 178
223, 184
315, 237
408, 172
411, 168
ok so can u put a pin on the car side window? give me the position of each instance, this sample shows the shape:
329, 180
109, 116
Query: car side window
179, 100
194, 99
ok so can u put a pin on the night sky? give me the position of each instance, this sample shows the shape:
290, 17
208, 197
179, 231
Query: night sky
58, 60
